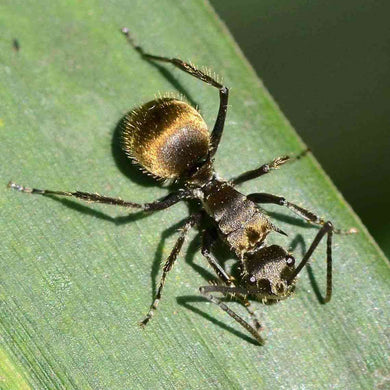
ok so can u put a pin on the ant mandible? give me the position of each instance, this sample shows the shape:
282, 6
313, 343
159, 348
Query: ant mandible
170, 140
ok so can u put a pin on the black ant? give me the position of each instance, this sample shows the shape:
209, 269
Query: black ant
170, 140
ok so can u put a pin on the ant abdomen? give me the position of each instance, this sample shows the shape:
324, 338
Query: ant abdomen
166, 136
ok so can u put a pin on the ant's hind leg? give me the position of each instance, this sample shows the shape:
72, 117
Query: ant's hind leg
266, 168
193, 71
191, 222
160, 204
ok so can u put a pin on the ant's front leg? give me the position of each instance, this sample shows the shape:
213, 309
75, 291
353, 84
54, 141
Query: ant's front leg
327, 228
230, 290
167, 201
209, 238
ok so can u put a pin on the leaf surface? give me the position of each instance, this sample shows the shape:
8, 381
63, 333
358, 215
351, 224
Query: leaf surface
76, 278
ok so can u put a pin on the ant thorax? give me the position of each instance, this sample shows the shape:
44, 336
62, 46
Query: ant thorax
240, 222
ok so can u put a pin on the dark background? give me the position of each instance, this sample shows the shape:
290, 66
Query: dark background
327, 64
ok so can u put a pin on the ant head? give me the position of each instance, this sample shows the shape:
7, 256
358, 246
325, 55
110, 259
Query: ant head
267, 272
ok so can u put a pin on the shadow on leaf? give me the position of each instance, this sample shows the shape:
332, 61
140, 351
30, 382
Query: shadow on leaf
185, 300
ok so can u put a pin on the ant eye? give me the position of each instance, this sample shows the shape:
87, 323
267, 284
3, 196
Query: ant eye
252, 280
290, 260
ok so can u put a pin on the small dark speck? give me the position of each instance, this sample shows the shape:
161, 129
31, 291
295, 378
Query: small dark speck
16, 45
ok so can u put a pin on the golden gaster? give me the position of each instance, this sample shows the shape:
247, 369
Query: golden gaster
166, 136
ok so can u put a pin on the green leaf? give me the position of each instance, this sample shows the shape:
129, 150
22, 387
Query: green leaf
77, 278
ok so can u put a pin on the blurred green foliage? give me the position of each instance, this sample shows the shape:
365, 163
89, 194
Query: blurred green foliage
75, 279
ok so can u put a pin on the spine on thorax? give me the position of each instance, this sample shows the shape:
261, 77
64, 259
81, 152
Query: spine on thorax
241, 224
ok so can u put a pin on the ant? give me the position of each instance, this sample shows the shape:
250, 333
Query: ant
169, 139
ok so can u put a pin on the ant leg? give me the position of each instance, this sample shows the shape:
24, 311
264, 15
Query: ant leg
205, 291
193, 220
328, 229
193, 71
266, 168
167, 201
303, 213
208, 239
245, 302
